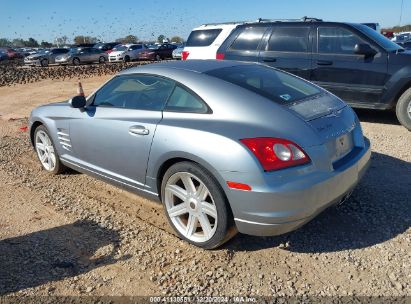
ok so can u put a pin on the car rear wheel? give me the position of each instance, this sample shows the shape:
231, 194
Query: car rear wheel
403, 109
76, 61
127, 58
102, 59
44, 63
46, 151
195, 206
158, 57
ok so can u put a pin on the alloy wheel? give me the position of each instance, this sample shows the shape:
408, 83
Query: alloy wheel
191, 207
45, 150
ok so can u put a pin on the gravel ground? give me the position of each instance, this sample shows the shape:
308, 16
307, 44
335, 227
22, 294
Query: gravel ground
15, 73
75, 235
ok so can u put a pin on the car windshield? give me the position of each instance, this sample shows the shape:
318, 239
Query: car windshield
383, 41
275, 85
153, 47
74, 50
43, 52
121, 48
99, 45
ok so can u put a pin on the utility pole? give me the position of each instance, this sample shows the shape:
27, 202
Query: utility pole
402, 5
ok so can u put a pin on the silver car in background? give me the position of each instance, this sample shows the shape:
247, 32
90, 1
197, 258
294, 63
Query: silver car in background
44, 57
224, 145
177, 52
79, 56
127, 52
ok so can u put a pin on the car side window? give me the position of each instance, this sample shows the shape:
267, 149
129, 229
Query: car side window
289, 39
181, 100
337, 40
135, 47
143, 92
248, 39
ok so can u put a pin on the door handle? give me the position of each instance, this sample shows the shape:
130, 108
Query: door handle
324, 62
139, 130
269, 59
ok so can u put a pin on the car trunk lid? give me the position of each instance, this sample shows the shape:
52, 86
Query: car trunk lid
332, 120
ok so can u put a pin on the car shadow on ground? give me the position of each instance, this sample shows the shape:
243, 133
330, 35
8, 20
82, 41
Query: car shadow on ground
54, 254
378, 210
377, 116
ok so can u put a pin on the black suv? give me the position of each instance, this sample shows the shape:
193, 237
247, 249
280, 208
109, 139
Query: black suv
352, 61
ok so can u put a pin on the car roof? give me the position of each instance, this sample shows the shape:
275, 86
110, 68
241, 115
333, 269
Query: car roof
199, 66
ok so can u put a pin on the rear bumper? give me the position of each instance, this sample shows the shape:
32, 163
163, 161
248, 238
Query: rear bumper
279, 209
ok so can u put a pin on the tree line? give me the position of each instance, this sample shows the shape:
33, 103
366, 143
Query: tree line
61, 41
398, 29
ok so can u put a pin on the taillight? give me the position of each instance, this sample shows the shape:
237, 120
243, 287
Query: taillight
184, 55
219, 56
276, 153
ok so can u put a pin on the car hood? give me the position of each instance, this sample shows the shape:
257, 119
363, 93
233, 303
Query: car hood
115, 53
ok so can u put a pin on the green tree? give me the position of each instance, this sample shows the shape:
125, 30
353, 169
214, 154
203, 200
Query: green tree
46, 44
18, 42
130, 39
161, 38
5, 42
31, 43
84, 39
177, 39
397, 29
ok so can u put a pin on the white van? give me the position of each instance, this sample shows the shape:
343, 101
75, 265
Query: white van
205, 40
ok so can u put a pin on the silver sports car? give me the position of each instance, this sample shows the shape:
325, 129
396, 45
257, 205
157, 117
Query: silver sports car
226, 146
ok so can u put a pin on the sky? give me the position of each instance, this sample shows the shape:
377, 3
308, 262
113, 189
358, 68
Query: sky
108, 20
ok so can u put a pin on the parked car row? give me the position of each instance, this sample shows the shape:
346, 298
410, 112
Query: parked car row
353, 61
84, 54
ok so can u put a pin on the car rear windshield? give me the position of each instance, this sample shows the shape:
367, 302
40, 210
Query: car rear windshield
202, 37
275, 85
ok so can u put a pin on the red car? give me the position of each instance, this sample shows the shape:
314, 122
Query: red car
12, 54
158, 52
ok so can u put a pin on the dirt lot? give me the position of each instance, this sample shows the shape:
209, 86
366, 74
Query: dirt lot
74, 235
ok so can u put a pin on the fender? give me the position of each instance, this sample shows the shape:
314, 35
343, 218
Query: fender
398, 82
153, 169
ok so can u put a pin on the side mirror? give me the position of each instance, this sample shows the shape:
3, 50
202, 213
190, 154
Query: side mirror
78, 102
364, 49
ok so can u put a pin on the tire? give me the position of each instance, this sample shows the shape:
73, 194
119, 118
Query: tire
51, 164
403, 109
127, 58
76, 61
210, 218
158, 57
102, 60
44, 63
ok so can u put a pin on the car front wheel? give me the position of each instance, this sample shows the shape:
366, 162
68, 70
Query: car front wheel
403, 109
195, 206
44, 63
102, 59
46, 151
